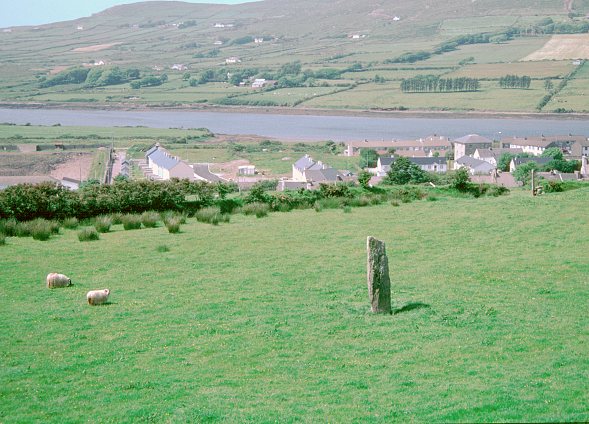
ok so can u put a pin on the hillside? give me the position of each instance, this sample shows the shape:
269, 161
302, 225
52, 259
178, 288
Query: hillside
369, 39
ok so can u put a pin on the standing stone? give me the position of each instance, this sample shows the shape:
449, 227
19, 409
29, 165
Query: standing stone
379, 283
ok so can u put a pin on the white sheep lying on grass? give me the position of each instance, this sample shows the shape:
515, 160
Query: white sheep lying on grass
97, 297
55, 280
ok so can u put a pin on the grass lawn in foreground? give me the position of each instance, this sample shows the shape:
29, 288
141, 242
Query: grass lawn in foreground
263, 320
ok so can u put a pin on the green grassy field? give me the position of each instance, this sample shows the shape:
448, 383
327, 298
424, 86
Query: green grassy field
264, 320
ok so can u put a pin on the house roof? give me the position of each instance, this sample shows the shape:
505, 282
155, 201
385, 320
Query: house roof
428, 161
545, 142
476, 165
386, 160
496, 153
473, 139
431, 142
202, 170
304, 163
322, 175
538, 160
163, 160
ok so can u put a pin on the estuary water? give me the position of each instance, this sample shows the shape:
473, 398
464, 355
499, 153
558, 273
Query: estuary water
302, 127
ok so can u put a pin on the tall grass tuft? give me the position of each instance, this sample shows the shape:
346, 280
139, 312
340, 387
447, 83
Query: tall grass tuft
41, 229
23, 229
131, 222
173, 224
162, 248
103, 223
173, 214
211, 215
8, 227
2, 239
116, 218
70, 223
259, 209
150, 219
88, 234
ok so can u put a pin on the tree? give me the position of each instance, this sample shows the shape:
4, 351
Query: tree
460, 180
363, 179
368, 158
403, 171
548, 85
553, 152
523, 172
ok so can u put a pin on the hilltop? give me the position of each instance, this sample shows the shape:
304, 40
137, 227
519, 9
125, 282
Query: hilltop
350, 55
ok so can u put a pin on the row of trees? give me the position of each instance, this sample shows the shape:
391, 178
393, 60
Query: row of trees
91, 77
515, 81
435, 84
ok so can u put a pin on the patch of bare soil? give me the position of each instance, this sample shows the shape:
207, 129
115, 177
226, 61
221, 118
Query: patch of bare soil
95, 48
229, 170
77, 166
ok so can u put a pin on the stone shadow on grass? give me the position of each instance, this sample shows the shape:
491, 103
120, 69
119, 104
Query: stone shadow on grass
409, 307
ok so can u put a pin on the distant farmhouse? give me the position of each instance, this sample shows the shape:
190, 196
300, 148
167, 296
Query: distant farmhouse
428, 164
161, 165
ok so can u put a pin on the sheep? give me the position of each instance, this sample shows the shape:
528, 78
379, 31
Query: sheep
97, 297
55, 280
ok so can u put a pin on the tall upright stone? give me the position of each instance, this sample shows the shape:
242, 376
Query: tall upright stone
379, 283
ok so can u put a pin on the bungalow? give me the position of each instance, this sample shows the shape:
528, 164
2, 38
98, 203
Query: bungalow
165, 166
246, 170
492, 155
537, 145
467, 145
515, 162
232, 60
474, 166
428, 164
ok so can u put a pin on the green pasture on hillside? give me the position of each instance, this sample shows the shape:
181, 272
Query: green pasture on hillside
267, 320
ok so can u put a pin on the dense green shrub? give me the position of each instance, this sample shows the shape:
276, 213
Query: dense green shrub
8, 227
552, 186
229, 205
403, 171
102, 223
2, 239
88, 234
131, 222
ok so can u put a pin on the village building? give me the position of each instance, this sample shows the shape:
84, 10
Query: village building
537, 145
427, 164
474, 166
515, 162
309, 173
467, 145
164, 166
232, 60
492, 155
246, 170
421, 147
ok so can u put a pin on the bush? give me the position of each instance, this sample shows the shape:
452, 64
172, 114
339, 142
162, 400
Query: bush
259, 209
41, 229
211, 215
88, 234
102, 224
70, 223
8, 227
131, 222
173, 224
162, 248
150, 219
552, 186
229, 205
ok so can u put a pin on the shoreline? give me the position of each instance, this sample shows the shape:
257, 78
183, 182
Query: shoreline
375, 113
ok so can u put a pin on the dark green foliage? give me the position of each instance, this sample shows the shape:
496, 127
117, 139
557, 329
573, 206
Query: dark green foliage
523, 172
553, 152
410, 57
334, 190
9, 227
229, 205
69, 76
88, 234
257, 194
368, 158
363, 178
514, 81
461, 180
46, 200
435, 84
505, 160
403, 171
2, 239
552, 186
149, 81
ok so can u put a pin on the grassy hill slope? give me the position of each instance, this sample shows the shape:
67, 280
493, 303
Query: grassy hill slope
155, 35
267, 319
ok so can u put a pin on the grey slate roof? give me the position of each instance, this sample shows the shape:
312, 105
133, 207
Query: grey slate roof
428, 161
163, 160
304, 163
386, 160
538, 160
477, 165
323, 175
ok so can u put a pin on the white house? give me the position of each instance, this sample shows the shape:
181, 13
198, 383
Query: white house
246, 170
428, 164
466, 146
165, 166
306, 169
492, 155
537, 145
474, 166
